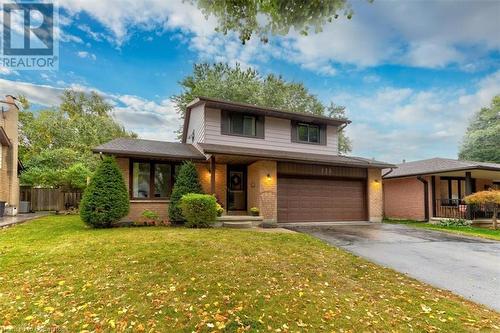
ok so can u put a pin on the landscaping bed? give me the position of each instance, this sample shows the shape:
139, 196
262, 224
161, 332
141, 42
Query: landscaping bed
462, 230
57, 274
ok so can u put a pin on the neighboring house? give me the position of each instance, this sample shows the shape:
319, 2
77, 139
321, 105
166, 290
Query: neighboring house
9, 181
287, 164
434, 188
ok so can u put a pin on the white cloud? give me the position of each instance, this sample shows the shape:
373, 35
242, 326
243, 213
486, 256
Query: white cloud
36, 93
149, 119
414, 33
396, 123
85, 54
120, 17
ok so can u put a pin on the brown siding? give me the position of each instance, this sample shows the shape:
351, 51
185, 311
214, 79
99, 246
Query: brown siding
320, 170
404, 199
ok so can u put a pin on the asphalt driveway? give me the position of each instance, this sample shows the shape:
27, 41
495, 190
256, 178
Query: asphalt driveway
467, 266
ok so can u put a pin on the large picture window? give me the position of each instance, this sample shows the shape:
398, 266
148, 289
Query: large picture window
307, 133
152, 180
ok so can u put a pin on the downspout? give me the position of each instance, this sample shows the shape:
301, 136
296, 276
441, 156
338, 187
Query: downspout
388, 172
426, 196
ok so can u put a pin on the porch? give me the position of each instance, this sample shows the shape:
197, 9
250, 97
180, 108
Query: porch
449, 189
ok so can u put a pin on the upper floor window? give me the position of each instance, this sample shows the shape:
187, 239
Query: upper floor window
151, 180
242, 124
308, 133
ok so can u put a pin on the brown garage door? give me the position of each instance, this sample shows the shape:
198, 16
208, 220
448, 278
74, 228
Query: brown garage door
320, 200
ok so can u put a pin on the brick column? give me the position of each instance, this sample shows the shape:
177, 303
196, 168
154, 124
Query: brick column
262, 188
375, 199
9, 182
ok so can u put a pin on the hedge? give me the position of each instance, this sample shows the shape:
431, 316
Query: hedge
199, 210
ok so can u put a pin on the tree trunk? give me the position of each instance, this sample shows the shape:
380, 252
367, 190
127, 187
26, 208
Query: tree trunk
495, 209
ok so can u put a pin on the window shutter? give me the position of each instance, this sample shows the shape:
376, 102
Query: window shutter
224, 122
322, 135
259, 126
294, 130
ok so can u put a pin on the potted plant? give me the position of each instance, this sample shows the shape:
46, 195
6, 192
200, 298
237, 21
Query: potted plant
255, 211
220, 210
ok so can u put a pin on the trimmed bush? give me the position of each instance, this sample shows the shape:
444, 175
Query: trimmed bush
200, 210
105, 200
186, 182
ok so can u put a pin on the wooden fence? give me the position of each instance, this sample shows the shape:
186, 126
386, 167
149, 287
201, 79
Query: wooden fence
57, 199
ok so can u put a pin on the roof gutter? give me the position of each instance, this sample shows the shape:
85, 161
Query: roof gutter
426, 196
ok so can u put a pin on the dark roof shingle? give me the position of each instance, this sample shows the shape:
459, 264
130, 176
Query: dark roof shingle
150, 148
293, 156
435, 165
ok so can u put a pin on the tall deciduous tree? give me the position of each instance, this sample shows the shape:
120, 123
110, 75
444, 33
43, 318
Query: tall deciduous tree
338, 111
249, 86
56, 144
277, 17
482, 140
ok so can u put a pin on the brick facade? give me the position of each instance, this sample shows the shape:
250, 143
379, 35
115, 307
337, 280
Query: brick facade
483, 184
204, 175
262, 190
9, 181
404, 198
375, 195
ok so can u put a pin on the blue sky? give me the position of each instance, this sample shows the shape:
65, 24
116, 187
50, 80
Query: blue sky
410, 73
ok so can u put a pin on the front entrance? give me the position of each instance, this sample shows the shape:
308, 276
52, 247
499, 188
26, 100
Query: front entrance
236, 188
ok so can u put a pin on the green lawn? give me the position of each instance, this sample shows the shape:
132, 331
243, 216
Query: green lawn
467, 231
58, 274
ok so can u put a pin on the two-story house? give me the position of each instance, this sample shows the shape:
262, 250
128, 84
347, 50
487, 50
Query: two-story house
9, 181
285, 163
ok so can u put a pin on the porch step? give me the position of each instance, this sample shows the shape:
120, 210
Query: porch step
240, 221
238, 225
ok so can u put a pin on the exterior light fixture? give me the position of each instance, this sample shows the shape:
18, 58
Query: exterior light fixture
268, 176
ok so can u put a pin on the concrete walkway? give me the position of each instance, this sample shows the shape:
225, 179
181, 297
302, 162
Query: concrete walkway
467, 266
7, 221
